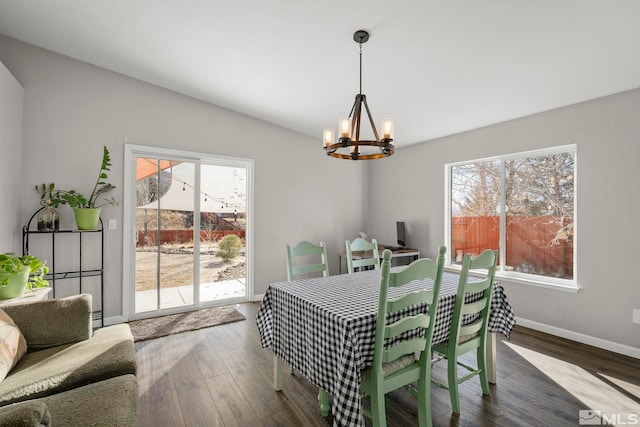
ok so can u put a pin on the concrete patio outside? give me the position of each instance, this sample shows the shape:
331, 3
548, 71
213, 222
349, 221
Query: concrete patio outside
178, 296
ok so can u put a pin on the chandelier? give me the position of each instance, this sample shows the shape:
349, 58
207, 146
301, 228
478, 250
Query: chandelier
349, 127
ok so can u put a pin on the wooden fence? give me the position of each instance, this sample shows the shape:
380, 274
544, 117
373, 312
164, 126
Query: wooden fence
150, 238
178, 227
531, 244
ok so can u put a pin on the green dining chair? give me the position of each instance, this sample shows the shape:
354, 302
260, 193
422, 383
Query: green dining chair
302, 261
361, 245
472, 336
305, 259
395, 358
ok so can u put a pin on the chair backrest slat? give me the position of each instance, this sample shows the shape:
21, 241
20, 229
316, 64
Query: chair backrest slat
303, 269
402, 348
478, 286
406, 324
412, 298
471, 328
474, 307
421, 268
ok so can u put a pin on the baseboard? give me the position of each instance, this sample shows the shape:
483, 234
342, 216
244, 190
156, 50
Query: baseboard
257, 297
581, 338
114, 320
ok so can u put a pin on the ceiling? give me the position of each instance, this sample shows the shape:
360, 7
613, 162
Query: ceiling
435, 67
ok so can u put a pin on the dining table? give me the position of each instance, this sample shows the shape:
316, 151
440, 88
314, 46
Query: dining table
324, 328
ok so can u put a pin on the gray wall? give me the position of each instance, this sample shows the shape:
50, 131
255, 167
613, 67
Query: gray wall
11, 100
410, 186
72, 109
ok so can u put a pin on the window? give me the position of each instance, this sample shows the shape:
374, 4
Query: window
522, 204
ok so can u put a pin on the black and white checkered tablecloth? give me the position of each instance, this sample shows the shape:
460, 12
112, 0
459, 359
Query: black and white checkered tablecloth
325, 329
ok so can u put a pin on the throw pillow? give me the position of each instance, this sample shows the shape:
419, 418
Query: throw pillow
12, 344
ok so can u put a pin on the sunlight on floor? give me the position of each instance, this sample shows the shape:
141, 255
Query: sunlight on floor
166, 358
162, 369
598, 391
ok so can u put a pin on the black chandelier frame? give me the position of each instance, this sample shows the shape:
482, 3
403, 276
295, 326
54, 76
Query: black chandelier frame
353, 142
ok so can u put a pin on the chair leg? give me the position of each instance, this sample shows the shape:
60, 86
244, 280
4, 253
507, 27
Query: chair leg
378, 410
424, 399
325, 405
290, 370
452, 375
482, 365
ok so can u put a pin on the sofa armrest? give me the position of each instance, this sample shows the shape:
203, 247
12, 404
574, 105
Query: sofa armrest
33, 413
53, 322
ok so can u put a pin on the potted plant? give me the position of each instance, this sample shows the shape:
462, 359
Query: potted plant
48, 218
18, 273
85, 209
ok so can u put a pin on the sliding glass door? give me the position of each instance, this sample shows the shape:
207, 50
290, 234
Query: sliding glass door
189, 219
164, 255
223, 225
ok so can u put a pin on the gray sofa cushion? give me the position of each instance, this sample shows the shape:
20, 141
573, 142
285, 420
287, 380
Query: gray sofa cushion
112, 402
33, 413
109, 353
109, 403
53, 322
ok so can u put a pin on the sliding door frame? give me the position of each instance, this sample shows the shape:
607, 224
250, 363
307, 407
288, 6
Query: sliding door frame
131, 152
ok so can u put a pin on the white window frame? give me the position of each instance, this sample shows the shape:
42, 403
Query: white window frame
569, 285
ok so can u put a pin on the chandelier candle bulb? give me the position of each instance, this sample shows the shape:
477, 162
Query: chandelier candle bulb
328, 137
345, 128
387, 129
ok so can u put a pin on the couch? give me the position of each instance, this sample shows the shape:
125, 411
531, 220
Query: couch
70, 375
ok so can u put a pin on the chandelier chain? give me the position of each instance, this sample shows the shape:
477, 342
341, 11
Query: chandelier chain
360, 67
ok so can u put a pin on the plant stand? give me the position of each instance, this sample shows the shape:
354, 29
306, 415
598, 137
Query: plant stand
73, 241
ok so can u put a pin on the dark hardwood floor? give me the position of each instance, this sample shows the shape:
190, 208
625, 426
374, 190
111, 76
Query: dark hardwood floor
221, 376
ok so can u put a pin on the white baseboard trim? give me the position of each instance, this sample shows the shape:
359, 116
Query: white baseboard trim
114, 320
581, 338
257, 297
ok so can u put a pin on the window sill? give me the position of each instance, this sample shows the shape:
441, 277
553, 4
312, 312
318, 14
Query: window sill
506, 277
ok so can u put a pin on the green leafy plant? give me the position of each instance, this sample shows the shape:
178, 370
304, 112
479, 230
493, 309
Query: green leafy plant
11, 264
76, 199
49, 196
229, 247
